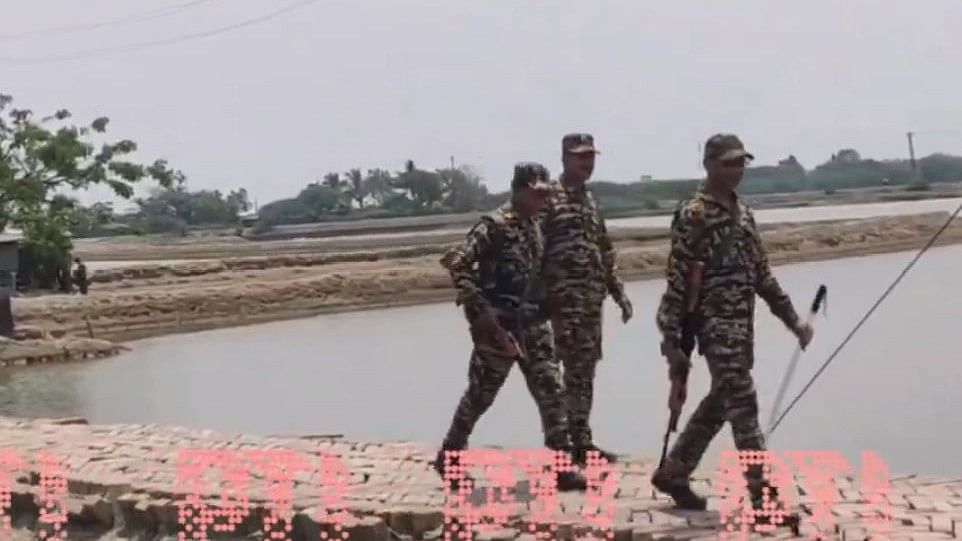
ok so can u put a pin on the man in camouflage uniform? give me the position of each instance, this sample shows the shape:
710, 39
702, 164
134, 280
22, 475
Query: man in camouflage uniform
496, 273
579, 272
718, 259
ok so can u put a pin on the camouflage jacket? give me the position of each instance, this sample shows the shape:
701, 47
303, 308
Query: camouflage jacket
579, 260
498, 267
736, 266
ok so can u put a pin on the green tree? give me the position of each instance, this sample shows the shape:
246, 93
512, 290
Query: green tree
377, 184
40, 159
463, 189
355, 187
319, 198
941, 168
424, 188
175, 209
333, 181
239, 200
88, 221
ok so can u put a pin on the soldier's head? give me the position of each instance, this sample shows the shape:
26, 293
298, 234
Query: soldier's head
578, 157
529, 187
725, 160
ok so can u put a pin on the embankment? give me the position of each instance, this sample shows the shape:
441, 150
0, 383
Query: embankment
131, 481
151, 300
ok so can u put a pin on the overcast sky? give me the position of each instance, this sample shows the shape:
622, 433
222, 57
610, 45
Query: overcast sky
371, 83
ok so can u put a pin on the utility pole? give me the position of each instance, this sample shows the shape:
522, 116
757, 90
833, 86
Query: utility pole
915, 176
452, 163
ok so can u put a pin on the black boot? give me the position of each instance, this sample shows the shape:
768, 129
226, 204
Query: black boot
768, 515
679, 490
441, 467
571, 480
581, 455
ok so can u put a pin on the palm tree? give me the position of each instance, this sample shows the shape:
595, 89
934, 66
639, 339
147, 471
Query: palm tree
355, 186
333, 181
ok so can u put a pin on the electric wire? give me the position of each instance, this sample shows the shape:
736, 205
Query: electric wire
136, 18
868, 314
158, 43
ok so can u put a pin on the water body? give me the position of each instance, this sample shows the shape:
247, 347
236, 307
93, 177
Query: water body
814, 214
397, 374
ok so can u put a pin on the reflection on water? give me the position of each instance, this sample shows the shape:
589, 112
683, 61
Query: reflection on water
814, 214
397, 374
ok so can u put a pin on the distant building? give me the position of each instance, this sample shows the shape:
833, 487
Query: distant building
9, 259
847, 155
248, 219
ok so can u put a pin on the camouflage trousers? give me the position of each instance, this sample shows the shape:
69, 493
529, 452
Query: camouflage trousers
578, 346
488, 370
732, 398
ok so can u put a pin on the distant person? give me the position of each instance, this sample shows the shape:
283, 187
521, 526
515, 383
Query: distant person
580, 273
495, 272
717, 257
80, 276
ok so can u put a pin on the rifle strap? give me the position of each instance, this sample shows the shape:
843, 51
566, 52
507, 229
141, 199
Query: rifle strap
713, 259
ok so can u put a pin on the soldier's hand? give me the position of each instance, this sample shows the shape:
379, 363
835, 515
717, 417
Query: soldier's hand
674, 355
626, 309
494, 334
805, 333
487, 323
511, 345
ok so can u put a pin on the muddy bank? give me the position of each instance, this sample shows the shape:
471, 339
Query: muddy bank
129, 481
434, 245
196, 296
35, 345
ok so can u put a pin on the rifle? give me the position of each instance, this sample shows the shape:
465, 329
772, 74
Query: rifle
533, 287
690, 321
689, 327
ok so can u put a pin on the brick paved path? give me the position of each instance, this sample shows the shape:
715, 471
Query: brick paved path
121, 482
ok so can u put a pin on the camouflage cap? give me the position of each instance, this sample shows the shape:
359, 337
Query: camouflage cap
725, 146
530, 175
578, 143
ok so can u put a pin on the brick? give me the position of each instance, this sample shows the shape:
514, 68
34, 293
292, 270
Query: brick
941, 523
306, 526
499, 534
957, 527
920, 503
658, 517
854, 533
622, 531
649, 532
